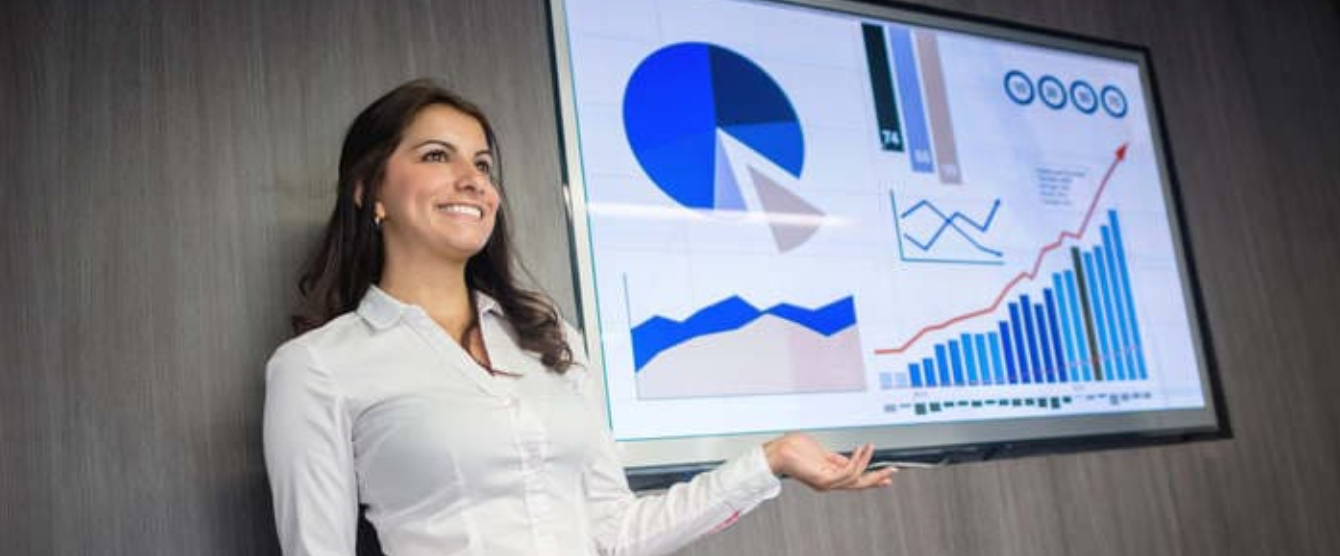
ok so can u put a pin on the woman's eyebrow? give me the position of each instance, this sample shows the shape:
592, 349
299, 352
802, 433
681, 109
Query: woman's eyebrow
488, 152
435, 142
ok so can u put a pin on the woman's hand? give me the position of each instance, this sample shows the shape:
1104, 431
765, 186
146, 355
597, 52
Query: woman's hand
799, 456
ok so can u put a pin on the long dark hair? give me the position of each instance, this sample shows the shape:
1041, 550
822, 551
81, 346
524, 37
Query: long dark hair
351, 254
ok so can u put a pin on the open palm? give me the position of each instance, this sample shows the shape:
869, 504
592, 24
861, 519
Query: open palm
800, 456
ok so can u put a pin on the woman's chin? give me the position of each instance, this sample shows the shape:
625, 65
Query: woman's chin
461, 251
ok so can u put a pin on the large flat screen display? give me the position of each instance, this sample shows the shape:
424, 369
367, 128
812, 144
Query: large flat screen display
924, 230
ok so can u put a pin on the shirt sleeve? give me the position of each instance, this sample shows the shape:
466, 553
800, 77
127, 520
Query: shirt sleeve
625, 524
309, 457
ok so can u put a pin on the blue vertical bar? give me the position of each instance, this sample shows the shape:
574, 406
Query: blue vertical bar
1118, 306
1012, 376
969, 358
1109, 319
1081, 344
914, 371
983, 365
994, 340
909, 90
1128, 301
928, 372
1020, 357
1044, 343
956, 359
1059, 354
942, 363
1070, 365
1096, 307
1031, 334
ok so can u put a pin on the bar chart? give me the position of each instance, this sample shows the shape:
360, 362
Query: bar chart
1081, 327
918, 77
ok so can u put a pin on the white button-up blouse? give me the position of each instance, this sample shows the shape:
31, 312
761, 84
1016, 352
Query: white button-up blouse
381, 407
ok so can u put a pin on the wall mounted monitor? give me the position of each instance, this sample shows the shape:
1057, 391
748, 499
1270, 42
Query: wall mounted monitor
950, 236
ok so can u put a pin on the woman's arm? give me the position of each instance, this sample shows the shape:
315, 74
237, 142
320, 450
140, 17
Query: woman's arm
309, 457
624, 524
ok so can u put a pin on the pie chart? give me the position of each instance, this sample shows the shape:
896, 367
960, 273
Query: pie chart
678, 102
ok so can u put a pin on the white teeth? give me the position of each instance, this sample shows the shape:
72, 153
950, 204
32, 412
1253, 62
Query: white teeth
462, 209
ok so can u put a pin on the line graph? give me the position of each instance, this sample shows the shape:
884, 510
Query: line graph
946, 222
1030, 274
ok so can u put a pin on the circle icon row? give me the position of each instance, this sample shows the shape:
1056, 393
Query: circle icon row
1055, 95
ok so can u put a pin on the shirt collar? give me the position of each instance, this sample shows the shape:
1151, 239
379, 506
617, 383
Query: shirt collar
486, 304
382, 311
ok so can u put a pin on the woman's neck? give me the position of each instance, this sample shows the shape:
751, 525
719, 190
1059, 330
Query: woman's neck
436, 285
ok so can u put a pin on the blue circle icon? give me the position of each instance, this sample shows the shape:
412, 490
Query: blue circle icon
1114, 101
1083, 97
677, 101
1019, 87
1052, 92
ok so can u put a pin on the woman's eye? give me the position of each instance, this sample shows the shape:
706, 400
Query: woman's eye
484, 167
435, 156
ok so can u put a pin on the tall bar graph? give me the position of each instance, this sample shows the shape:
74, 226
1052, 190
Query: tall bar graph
1081, 327
881, 85
917, 135
937, 106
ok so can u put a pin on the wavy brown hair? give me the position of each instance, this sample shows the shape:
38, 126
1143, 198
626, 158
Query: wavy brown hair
350, 256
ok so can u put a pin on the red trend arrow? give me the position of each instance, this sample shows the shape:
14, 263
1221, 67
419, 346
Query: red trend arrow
1029, 275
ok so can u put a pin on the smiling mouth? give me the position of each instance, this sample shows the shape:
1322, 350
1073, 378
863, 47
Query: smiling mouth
469, 210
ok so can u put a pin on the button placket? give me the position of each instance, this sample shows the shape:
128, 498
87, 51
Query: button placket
532, 441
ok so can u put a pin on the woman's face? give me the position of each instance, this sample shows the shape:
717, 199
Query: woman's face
438, 194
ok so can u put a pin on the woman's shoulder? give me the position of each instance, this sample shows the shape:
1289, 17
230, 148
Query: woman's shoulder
303, 354
334, 332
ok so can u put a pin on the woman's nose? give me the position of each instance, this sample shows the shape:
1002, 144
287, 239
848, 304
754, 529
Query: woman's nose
473, 179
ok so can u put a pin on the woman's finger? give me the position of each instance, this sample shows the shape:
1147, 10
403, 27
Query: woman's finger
826, 477
852, 471
869, 455
881, 477
865, 460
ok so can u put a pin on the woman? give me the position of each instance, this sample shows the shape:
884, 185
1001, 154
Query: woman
429, 387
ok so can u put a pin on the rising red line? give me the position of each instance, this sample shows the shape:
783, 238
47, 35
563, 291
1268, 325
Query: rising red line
1029, 275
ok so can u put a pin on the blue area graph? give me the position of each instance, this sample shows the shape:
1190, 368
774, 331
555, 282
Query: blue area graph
676, 101
658, 334
1080, 329
954, 222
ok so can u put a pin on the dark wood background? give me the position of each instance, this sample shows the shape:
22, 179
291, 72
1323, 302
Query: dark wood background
166, 164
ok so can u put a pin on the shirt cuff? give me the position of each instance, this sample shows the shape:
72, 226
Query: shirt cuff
748, 480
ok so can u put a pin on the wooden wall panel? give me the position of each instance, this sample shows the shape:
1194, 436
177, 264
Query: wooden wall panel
166, 165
